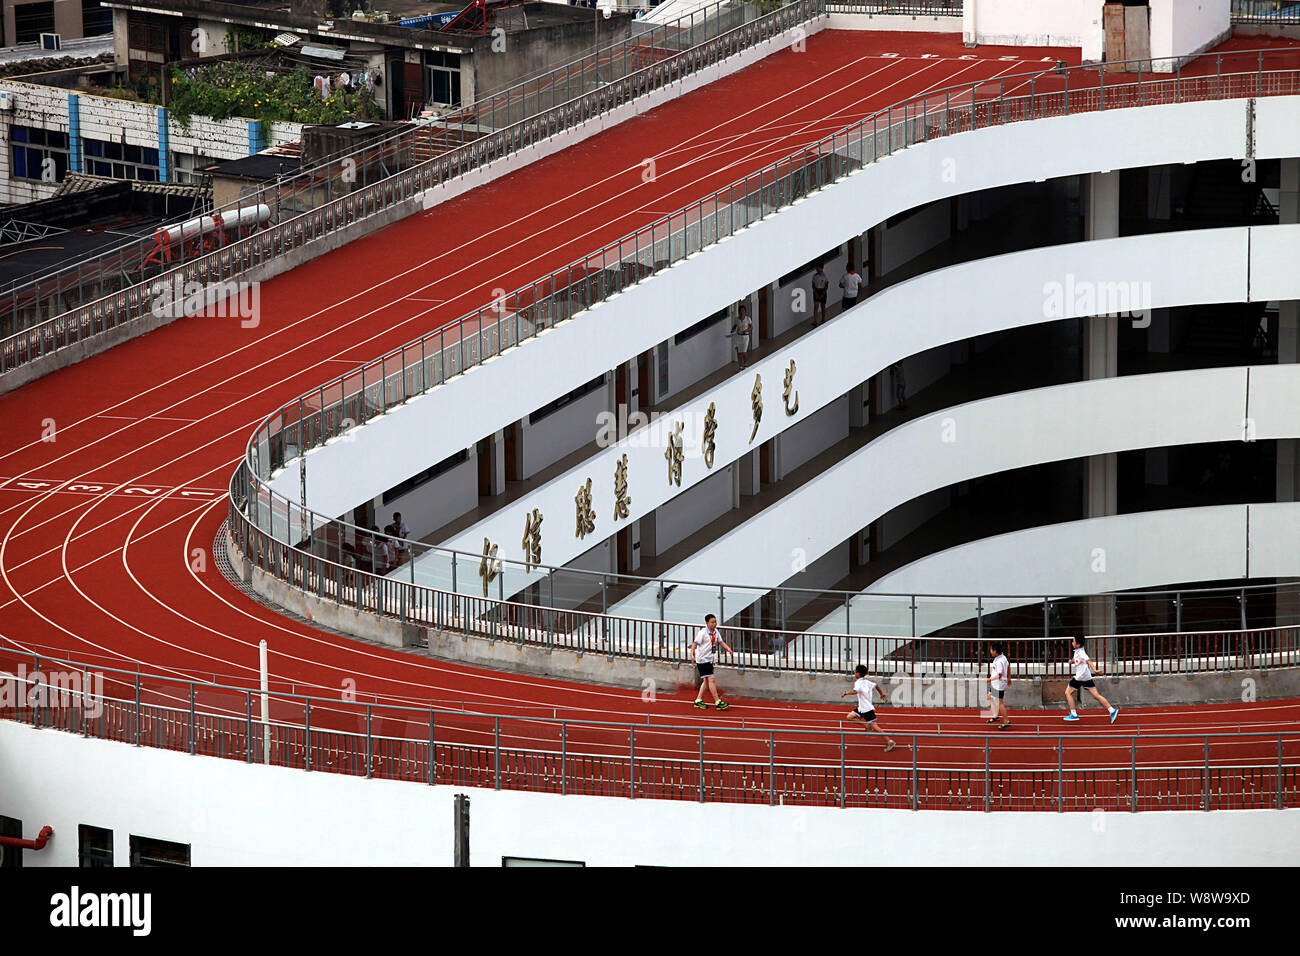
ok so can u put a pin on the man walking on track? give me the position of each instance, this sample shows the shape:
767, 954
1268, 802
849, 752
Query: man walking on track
998, 680
865, 709
1083, 678
704, 645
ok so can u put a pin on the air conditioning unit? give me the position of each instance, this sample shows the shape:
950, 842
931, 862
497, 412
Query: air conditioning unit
7, 101
51, 41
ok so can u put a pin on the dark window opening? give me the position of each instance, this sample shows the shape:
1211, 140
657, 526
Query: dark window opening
95, 846
415, 481
579, 392
10, 857
31, 20
699, 326
146, 851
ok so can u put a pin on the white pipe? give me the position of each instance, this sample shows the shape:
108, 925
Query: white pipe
202, 225
266, 726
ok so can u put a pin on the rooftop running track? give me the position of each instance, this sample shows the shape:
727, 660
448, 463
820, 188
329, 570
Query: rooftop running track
114, 469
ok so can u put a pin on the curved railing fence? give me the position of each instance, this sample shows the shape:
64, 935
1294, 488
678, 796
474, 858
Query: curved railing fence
319, 202
567, 610
1256, 768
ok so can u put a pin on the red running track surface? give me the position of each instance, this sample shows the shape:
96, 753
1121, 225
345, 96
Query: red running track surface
114, 468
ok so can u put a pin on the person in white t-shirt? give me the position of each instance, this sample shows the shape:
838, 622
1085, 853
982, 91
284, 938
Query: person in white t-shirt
865, 711
851, 284
704, 648
998, 680
1083, 671
740, 333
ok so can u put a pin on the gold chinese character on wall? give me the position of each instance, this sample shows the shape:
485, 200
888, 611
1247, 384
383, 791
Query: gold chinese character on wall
586, 515
621, 498
490, 566
533, 540
710, 429
789, 384
674, 453
756, 403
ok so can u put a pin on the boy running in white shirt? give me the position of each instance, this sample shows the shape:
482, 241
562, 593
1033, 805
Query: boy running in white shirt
865, 710
998, 680
705, 641
1083, 678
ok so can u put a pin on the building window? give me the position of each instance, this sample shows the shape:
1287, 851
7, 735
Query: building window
581, 391
96, 846
31, 20
537, 861
10, 857
443, 78
39, 154
415, 481
96, 20
146, 851
121, 160
700, 326
185, 166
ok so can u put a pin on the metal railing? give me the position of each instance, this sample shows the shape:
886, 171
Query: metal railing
571, 613
1266, 12
1255, 768
913, 8
117, 287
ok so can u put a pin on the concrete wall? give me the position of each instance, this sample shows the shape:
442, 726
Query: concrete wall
1180, 28
1066, 23
234, 814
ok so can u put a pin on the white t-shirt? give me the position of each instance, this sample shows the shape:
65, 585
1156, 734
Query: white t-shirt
820, 282
1081, 669
865, 689
851, 283
999, 671
704, 645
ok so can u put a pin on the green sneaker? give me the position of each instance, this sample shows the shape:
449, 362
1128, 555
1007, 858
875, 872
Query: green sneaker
701, 705
723, 705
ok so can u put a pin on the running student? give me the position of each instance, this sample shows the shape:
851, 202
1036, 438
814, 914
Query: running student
704, 644
1083, 678
998, 680
863, 688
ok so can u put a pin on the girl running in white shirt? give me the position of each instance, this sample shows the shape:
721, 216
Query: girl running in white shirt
1083, 672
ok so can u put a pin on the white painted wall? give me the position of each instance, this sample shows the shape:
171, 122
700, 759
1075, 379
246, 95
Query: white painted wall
563, 431
693, 509
1180, 28
918, 233
1067, 23
814, 434
981, 438
509, 386
1120, 552
434, 503
235, 814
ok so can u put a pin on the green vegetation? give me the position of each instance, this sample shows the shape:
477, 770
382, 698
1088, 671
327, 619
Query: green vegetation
233, 88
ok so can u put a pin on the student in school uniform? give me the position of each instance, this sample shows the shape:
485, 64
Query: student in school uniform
819, 286
705, 647
740, 333
998, 680
851, 284
865, 711
1083, 671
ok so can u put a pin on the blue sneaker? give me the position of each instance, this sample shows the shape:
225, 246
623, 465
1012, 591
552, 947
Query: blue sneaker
1071, 716
1114, 712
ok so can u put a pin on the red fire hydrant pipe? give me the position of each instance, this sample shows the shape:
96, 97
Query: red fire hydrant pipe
38, 844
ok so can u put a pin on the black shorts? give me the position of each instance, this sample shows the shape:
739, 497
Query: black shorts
819, 297
847, 303
996, 693
704, 670
1076, 683
869, 716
